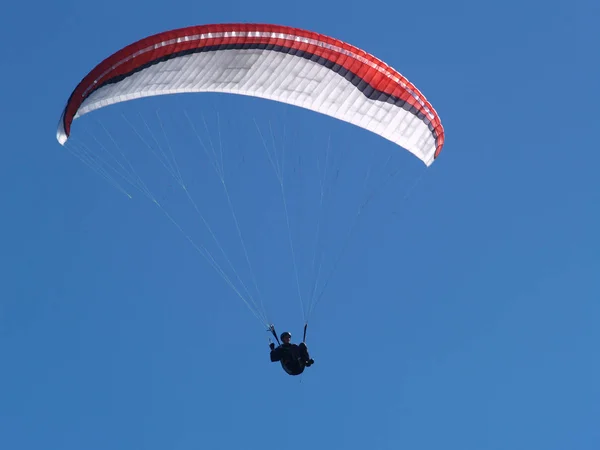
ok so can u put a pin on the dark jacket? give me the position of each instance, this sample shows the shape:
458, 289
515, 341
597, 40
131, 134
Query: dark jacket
293, 357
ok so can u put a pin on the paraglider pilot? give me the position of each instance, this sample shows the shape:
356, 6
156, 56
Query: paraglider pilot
293, 357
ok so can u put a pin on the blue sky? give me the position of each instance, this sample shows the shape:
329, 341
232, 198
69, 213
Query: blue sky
461, 317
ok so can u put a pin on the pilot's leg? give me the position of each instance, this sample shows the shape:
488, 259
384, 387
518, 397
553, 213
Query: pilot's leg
304, 354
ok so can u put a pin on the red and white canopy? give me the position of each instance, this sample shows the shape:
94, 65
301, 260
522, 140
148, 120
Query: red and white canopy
275, 62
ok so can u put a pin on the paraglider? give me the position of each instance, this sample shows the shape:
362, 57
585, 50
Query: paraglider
294, 358
284, 64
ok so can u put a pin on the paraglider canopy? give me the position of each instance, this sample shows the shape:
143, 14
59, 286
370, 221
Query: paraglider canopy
280, 63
